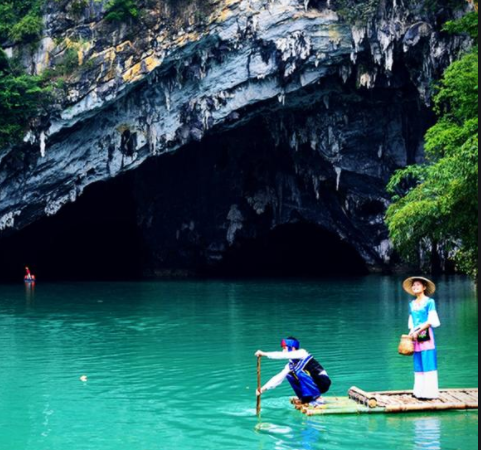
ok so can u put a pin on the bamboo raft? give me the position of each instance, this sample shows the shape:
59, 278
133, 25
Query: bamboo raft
389, 402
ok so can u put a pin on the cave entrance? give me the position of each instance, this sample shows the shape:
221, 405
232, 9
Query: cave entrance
298, 250
95, 238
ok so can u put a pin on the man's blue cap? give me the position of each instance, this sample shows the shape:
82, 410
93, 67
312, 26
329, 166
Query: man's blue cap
290, 343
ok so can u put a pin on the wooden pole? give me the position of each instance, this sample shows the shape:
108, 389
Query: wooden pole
259, 386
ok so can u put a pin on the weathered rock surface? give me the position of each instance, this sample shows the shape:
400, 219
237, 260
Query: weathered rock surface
326, 112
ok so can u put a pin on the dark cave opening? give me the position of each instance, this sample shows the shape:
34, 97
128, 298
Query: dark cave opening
96, 238
299, 250
171, 215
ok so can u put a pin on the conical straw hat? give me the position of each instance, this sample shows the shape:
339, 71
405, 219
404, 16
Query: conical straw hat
408, 285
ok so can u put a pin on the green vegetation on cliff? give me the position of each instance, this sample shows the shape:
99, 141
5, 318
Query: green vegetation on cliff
21, 98
361, 12
21, 95
21, 20
437, 202
122, 10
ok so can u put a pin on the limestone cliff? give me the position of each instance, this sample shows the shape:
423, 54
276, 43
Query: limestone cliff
295, 112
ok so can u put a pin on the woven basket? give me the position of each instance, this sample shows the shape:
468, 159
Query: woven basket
406, 346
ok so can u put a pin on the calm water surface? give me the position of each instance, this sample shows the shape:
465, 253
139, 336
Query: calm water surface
171, 366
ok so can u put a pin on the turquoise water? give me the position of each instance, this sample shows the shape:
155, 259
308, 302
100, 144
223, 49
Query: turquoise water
171, 365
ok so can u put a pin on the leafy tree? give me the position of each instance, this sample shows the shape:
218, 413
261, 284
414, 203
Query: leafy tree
468, 24
29, 29
21, 20
122, 10
437, 202
21, 98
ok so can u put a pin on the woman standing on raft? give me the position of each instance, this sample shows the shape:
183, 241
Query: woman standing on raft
423, 319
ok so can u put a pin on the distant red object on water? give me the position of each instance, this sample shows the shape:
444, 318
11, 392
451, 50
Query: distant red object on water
29, 278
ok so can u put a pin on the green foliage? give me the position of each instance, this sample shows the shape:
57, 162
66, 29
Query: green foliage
4, 62
29, 29
21, 98
435, 6
68, 64
186, 10
362, 12
357, 11
468, 24
122, 10
438, 202
21, 20
79, 6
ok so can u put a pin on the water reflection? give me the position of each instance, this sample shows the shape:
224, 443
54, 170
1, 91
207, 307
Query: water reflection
427, 434
30, 294
310, 437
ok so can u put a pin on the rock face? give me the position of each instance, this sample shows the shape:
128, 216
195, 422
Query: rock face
261, 115
323, 162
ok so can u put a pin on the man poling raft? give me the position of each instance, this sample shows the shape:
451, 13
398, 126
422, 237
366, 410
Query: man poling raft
306, 376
